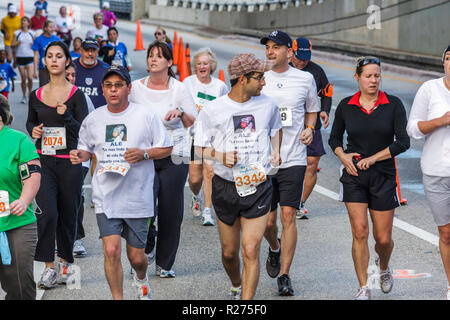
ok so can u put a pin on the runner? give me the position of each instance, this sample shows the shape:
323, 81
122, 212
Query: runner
39, 46
123, 181
6, 73
430, 119
109, 18
64, 26
9, 25
79, 251
375, 123
302, 61
76, 52
203, 88
241, 132
19, 182
99, 31
295, 93
23, 40
37, 21
118, 50
160, 35
169, 98
55, 113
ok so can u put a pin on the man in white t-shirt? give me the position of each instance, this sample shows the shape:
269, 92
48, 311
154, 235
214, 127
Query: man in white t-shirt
123, 179
294, 91
241, 132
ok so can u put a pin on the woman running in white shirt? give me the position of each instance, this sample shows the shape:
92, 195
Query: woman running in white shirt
203, 89
430, 119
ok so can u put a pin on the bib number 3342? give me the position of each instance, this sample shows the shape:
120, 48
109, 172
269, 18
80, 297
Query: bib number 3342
247, 177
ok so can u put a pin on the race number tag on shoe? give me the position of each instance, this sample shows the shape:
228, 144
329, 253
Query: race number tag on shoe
286, 116
4, 204
114, 168
247, 177
54, 138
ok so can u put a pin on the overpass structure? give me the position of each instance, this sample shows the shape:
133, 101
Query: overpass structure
406, 31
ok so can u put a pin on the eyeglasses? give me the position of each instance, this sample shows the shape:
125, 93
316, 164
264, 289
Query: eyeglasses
367, 61
258, 78
117, 85
158, 34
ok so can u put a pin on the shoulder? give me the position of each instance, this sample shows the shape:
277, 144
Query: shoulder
344, 102
103, 64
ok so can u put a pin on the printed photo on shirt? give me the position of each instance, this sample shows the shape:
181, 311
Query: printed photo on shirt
244, 123
116, 133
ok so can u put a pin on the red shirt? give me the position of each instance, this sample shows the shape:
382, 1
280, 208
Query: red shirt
37, 23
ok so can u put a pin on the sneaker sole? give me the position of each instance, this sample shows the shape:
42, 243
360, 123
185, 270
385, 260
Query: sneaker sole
166, 276
41, 286
286, 292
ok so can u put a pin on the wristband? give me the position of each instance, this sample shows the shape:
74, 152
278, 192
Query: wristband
311, 127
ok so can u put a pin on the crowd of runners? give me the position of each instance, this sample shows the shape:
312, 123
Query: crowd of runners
249, 151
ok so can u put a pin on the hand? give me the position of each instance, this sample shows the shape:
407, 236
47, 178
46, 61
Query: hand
325, 119
75, 156
229, 159
61, 108
306, 137
134, 155
37, 132
347, 161
111, 52
275, 159
365, 163
446, 119
172, 114
35, 74
7, 36
18, 207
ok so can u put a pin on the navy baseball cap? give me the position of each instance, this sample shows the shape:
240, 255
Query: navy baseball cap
302, 48
278, 37
120, 71
89, 43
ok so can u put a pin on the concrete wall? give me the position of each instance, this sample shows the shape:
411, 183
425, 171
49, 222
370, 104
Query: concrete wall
417, 26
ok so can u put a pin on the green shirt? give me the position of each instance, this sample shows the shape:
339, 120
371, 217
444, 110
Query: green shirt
15, 149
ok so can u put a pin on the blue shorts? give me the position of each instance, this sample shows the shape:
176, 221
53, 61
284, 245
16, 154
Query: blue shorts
316, 149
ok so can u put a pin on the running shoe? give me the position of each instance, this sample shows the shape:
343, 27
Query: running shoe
236, 293
196, 205
79, 251
273, 263
285, 286
157, 270
386, 279
301, 213
23, 100
167, 274
363, 294
207, 219
64, 272
48, 279
151, 257
143, 289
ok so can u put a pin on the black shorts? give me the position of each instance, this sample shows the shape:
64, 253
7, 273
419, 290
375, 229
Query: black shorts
316, 149
288, 187
23, 61
229, 205
370, 186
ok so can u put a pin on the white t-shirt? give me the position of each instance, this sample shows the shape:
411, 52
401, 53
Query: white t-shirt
91, 108
432, 101
226, 125
64, 23
94, 33
204, 93
108, 135
161, 102
25, 40
295, 93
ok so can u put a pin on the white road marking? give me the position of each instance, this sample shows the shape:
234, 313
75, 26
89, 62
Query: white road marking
422, 234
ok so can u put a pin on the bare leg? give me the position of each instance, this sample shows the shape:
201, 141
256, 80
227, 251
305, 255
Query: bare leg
112, 248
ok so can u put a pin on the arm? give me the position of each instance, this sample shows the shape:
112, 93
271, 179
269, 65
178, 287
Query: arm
275, 142
307, 134
228, 159
29, 191
33, 126
35, 64
134, 155
80, 111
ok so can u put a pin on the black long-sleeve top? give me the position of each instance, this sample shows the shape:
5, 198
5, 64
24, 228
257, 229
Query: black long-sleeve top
39, 112
369, 132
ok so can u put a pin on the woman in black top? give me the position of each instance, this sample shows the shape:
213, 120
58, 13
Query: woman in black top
55, 113
375, 123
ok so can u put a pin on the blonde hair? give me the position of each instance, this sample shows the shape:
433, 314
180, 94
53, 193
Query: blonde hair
212, 59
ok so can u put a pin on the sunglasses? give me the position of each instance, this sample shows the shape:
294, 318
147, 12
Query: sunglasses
158, 34
367, 61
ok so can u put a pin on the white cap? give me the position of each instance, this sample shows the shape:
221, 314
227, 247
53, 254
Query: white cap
106, 4
12, 8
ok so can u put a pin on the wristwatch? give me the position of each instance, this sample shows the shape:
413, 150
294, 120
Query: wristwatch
181, 110
146, 156
311, 127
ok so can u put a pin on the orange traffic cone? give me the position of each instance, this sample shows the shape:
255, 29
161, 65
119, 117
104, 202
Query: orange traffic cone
402, 201
183, 70
188, 59
180, 54
175, 49
139, 40
21, 10
221, 75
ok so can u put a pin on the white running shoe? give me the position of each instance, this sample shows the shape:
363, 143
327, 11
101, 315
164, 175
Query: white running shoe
301, 213
196, 205
48, 279
23, 100
65, 270
236, 293
386, 279
207, 219
79, 251
363, 294
143, 289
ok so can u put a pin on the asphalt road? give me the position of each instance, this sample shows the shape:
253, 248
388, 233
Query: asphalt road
322, 268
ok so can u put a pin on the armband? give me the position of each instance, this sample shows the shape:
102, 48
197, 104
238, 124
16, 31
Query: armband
26, 170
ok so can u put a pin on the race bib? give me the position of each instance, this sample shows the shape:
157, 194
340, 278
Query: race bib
286, 116
4, 204
54, 138
247, 177
114, 168
117, 62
